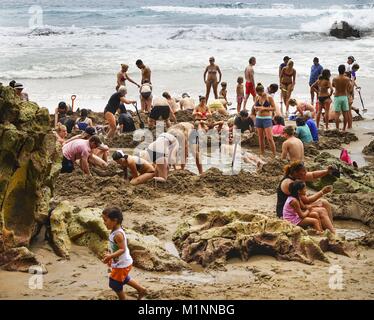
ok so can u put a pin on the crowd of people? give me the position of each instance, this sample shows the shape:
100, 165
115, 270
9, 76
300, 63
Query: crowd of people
257, 111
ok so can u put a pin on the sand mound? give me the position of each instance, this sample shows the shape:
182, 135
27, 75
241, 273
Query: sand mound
184, 116
344, 136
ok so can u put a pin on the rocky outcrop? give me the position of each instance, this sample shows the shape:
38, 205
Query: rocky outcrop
29, 165
344, 30
214, 237
351, 180
85, 227
369, 149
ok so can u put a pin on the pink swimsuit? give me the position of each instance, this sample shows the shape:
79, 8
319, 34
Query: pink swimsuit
289, 213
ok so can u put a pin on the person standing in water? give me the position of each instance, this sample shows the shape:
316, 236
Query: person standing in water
122, 77
315, 72
325, 91
249, 75
342, 84
146, 71
212, 80
288, 81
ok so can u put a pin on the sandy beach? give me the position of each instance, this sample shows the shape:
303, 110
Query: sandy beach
213, 235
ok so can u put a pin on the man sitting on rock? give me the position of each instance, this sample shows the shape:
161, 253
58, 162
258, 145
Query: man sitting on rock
292, 148
81, 150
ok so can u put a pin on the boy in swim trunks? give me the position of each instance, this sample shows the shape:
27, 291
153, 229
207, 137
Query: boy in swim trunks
342, 85
250, 81
239, 93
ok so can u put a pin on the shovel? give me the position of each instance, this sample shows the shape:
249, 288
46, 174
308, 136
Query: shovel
135, 104
362, 102
73, 97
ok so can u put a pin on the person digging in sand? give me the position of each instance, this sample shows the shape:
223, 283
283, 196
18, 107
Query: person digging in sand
140, 170
119, 258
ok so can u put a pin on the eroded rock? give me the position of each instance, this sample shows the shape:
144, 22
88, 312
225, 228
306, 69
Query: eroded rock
216, 236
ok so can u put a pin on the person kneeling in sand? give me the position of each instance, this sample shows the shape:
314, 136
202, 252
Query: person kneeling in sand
186, 103
141, 170
81, 150
101, 152
301, 107
218, 106
298, 214
163, 152
61, 132
292, 148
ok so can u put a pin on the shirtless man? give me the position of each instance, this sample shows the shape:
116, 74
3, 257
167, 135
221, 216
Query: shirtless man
212, 81
146, 71
250, 81
341, 83
186, 103
292, 148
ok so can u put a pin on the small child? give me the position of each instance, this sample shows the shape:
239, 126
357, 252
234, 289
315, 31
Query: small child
303, 131
119, 258
223, 92
278, 126
298, 214
240, 93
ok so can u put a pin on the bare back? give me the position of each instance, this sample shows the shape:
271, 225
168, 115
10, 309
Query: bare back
146, 75
293, 149
341, 84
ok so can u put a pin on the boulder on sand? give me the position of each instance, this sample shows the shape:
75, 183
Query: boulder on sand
214, 237
344, 30
369, 149
85, 227
29, 165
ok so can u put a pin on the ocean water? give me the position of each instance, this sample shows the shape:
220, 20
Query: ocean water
59, 48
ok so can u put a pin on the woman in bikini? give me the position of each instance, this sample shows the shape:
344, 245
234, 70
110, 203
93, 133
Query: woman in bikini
264, 106
288, 80
140, 170
325, 91
122, 77
212, 81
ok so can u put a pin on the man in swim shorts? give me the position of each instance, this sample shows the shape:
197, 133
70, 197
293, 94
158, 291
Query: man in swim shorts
342, 84
250, 81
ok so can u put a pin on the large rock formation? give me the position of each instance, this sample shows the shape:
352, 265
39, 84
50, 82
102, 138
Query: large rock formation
369, 149
28, 169
214, 237
344, 30
85, 227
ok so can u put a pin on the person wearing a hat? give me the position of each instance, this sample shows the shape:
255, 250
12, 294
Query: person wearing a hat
349, 64
186, 103
122, 77
112, 107
315, 72
19, 92
82, 150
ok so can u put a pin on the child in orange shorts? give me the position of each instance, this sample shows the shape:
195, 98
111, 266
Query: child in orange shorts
119, 258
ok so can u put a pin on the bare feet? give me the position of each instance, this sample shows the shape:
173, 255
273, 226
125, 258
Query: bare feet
141, 294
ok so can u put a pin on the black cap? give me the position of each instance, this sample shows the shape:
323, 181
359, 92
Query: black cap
12, 83
351, 58
286, 58
90, 130
62, 105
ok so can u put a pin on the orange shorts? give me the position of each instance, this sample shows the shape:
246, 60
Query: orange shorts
120, 274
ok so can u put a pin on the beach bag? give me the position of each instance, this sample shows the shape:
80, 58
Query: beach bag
344, 156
